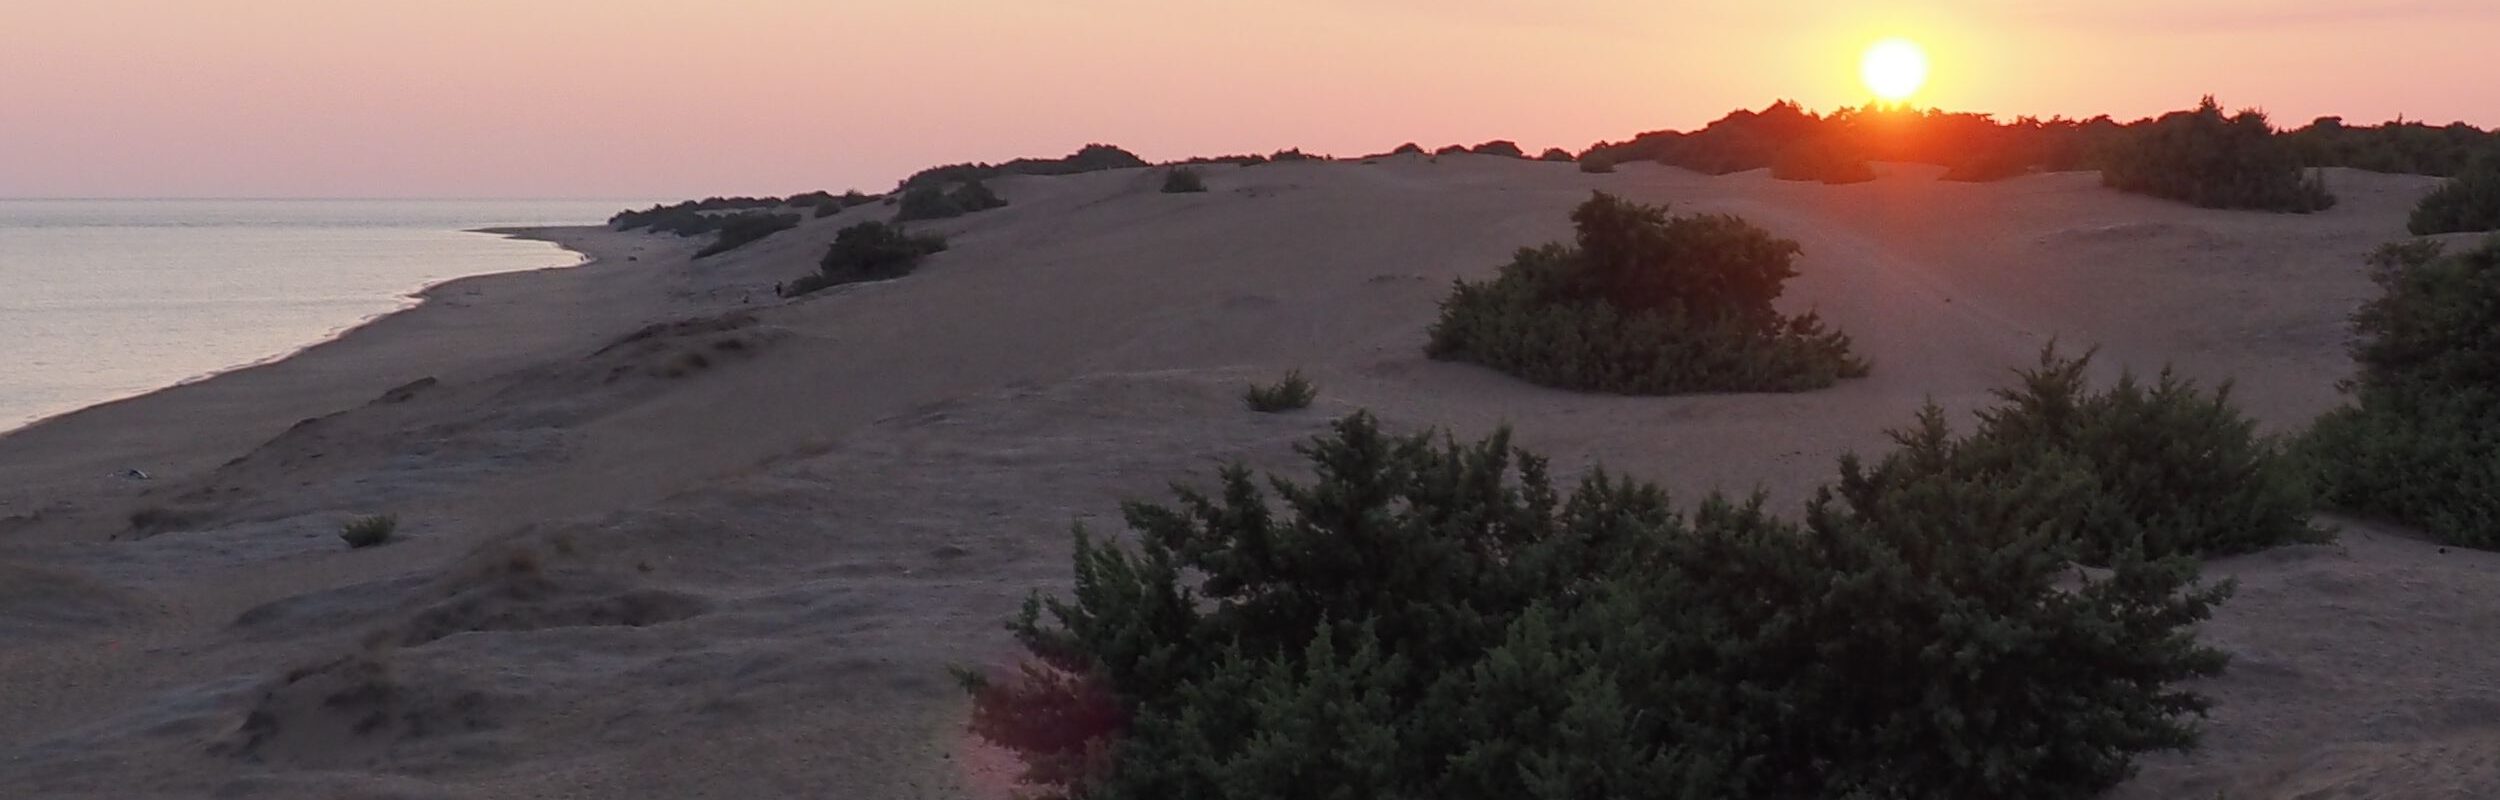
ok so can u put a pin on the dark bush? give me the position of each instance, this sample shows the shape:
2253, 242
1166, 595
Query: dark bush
1499, 147
1409, 148
740, 230
2421, 442
2176, 471
363, 532
2468, 202
1090, 158
1443, 621
1645, 304
1183, 180
1293, 154
1987, 166
1288, 394
867, 251
1596, 165
930, 202
1555, 154
2398, 146
1823, 161
2207, 159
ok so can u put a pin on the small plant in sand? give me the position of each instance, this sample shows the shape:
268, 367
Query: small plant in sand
1597, 164
2206, 158
1644, 303
2421, 442
867, 251
363, 532
1292, 392
1554, 154
1430, 618
2468, 202
1183, 180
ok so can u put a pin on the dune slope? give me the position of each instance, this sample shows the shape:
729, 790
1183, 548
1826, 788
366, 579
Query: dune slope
664, 534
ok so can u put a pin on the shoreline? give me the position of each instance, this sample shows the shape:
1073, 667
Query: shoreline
68, 463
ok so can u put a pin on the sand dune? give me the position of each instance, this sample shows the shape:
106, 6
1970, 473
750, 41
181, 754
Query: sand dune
667, 535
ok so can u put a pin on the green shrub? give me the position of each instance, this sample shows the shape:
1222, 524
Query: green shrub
2421, 442
1285, 395
1823, 161
930, 202
1444, 621
867, 251
1645, 304
2468, 202
1183, 180
2174, 470
2207, 159
927, 202
363, 532
740, 230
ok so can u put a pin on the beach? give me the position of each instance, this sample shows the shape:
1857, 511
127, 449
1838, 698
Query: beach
667, 534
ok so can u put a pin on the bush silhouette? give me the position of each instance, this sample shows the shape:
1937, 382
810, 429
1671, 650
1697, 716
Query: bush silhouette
740, 230
1183, 180
1821, 160
1090, 158
1498, 147
2207, 159
930, 202
1555, 154
1645, 304
1442, 620
1288, 394
866, 252
2421, 442
2468, 202
1409, 148
1597, 165
1987, 166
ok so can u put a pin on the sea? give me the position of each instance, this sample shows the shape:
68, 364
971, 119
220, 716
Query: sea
105, 299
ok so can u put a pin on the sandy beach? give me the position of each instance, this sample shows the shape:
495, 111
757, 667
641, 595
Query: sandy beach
668, 535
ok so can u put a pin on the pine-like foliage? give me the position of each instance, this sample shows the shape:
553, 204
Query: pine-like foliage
2211, 160
2421, 443
2468, 202
1442, 620
1644, 303
2174, 469
1290, 393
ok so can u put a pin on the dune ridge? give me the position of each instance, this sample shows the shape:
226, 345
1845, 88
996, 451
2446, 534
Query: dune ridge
665, 534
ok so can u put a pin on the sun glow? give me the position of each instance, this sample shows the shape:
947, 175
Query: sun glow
1894, 69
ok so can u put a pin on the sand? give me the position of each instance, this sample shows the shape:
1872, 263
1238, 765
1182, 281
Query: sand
666, 535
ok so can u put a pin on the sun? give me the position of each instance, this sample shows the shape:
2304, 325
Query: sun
1894, 69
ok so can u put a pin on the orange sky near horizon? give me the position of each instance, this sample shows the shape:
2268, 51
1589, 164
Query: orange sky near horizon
643, 98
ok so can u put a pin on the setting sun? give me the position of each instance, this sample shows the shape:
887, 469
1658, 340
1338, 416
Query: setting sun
1894, 69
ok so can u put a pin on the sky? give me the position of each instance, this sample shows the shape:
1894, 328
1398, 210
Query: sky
670, 98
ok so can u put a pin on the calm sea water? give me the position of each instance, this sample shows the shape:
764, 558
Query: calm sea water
103, 299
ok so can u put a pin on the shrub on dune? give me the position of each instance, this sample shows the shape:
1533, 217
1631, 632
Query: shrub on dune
1988, 165
1293, 392
866, 252
740, 230
363, 532
1499, 147
1821, 161
1644, 303
2421, 442
931, 202
2207, 159
1594, 164
1183, 180
1435, 619
1555, 154
2468, 202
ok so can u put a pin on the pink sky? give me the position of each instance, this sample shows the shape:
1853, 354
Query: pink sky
652, 98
